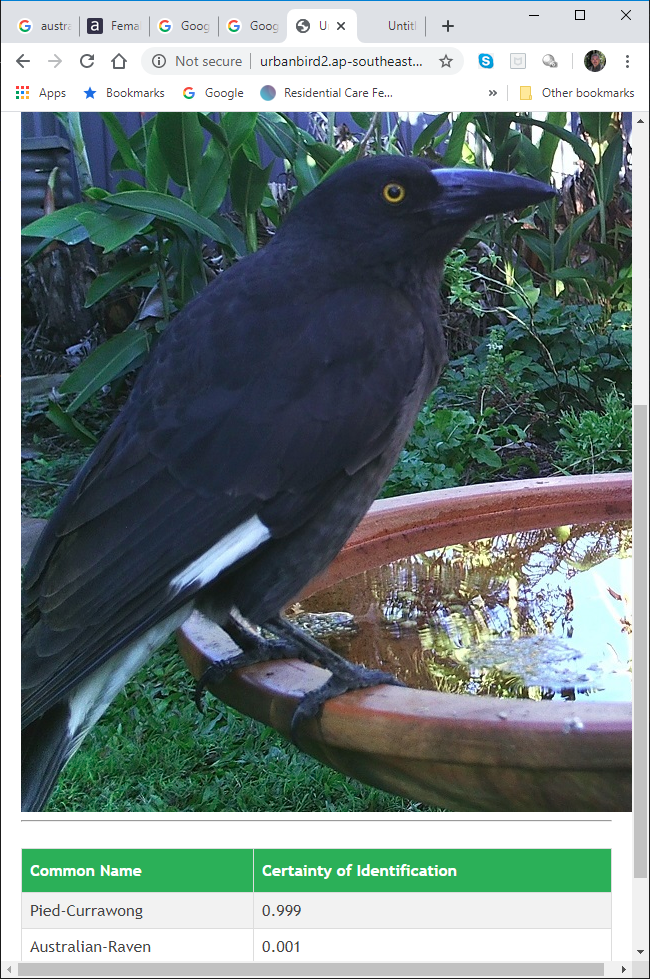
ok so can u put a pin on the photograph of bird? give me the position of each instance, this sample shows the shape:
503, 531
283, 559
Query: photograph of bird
255, 438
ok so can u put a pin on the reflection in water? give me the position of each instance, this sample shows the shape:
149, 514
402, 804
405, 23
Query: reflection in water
534, 614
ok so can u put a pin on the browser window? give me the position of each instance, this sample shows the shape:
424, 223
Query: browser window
333, 444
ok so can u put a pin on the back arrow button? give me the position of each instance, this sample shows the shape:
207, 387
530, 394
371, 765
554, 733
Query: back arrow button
56, 60
22, 60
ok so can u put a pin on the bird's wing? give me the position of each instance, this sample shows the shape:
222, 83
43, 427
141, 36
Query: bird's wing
241, 414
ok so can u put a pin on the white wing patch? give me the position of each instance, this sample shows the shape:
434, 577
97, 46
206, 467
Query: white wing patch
235, 545
91, 697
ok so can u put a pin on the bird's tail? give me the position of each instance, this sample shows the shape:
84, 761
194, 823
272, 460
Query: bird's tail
46, 747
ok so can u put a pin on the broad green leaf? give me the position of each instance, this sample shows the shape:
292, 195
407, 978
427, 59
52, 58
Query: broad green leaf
454, 149
128, 157
213, 128
568, 273
114, 227
609, 168
596, 124
138, 143
581, 149
549, 142
180, 143
63, 225
123, 272
186, 258
69, 425
349, 157
539, 245
211, 182
237, 127
114, 358
325, 156
251, 149
95, 193
486, 456
248, 184
169, 209
124, 184
362, 119
427, 135
607, 251
232, 235
570, 235
156, 172
279, 134
306, 171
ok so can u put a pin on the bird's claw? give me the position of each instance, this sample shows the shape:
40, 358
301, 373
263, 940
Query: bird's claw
354, 678
259, 651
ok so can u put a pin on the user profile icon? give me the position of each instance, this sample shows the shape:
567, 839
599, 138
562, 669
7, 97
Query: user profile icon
595, 60
267, 92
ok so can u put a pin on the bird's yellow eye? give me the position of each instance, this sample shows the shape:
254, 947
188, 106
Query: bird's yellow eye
393, 193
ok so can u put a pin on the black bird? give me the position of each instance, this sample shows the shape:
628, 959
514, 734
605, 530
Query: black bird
254, 440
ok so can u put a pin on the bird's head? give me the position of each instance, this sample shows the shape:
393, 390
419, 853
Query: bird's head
387, 208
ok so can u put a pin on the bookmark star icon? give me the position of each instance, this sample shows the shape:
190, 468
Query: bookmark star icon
446, 61
90, 93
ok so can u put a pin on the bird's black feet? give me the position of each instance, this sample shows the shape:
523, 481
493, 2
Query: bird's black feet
291, 642
255, 648
346, 676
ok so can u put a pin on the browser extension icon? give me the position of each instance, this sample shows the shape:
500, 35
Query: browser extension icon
517, 60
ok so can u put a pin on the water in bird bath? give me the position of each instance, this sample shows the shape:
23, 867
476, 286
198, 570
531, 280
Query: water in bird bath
539, 614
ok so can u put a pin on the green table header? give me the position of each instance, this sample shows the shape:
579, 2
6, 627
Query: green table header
137, 870
432, 870
317, 870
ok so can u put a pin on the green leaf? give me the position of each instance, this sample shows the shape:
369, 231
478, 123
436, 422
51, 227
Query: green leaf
95, 193
609, 168
325, 156
581, 149
279, 134
549, 142
232, 235
112, 228
427, 135
211, 182
362, 119
123, 272
128, 158
114, 358
248, 184
568, 273
307, 172
170, 209
66, 423
124, 184
454, 149
596, 124
62, 225
237, 127
539, 245
138, 143
156, 171
349, 157
570, 235
180, 143
213, 128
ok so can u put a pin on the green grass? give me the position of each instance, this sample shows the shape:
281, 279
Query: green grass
154, 752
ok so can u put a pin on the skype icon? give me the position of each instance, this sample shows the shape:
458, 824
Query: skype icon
485, 61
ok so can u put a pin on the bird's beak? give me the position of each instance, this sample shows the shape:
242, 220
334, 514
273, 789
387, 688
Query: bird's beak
471, 194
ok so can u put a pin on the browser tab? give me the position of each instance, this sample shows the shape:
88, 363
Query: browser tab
315, 26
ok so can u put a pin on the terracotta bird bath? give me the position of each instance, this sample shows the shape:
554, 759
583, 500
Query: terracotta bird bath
450, 750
